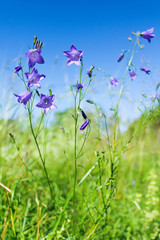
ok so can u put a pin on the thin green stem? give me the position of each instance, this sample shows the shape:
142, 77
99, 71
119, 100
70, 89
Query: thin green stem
100, 182
40, 154
120, 93
75, 128
75, 145
38, 130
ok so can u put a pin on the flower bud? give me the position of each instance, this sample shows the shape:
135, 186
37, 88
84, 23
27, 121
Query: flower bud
40, 44
90, 101
37, 44
35, 39
50, 91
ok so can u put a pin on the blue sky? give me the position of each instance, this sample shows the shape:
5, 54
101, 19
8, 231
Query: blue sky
99, 28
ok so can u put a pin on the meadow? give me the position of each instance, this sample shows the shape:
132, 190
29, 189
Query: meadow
81, 176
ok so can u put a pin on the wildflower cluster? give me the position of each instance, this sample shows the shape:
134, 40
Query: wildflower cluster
148, 34
75, 56
33, 79
101, 174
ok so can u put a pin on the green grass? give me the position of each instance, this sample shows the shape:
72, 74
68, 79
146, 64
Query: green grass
27, 212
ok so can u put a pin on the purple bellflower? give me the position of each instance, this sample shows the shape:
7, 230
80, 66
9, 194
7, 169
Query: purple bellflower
85, 124
132, 75
114, 82
89, 72
83, 114
74, 56
34, 57
146, 70
120, 57
24, 97
79, 86
148, 34
17, 69
46, 103
34, 78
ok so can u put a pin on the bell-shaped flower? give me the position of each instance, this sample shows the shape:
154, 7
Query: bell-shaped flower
85, 124
34, 78
148, 34
146, 70
132, 75
74, 56
120, 57
46, 103
24, 97
34, 56
114, 82
79, 86
17, 69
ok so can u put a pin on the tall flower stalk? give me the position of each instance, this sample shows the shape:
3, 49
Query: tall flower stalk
33, 80
76, 107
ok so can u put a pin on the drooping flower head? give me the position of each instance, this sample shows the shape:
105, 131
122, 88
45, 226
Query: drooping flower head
34, 56
46, 103
114, 82
17, 69
89, 72
148, 34
85, 124
24, 97
79, 86
83, 113
146, 70
120, 57
74, 56
34, 78
132, 75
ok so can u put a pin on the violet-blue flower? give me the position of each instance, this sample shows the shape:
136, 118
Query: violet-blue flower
146, 70
85, 124
148, 34
46, 103
17, 69
79, 86
83, 114
132, 74
114, 82
34, 57
24, 97
120, 57
89, 72
34, 78
74, 56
